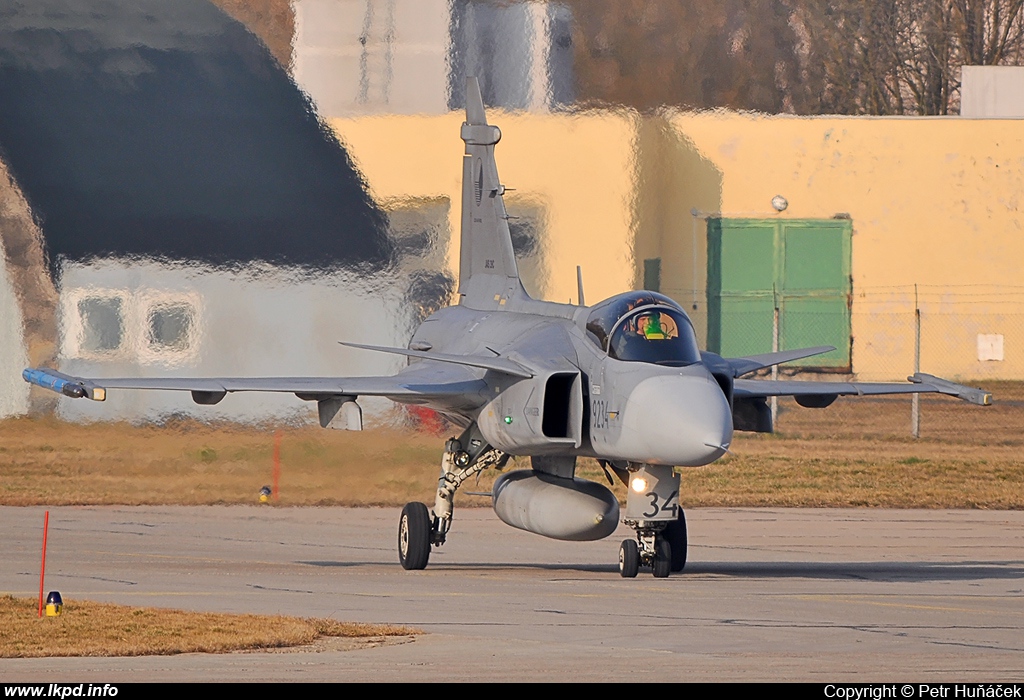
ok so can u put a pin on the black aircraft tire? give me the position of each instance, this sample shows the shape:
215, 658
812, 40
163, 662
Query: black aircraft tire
629, 559
675, 533
662, 558
414, 537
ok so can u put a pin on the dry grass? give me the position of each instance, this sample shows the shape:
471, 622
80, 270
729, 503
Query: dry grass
859, 452
45, 461
855, 453
826, 473
101, 629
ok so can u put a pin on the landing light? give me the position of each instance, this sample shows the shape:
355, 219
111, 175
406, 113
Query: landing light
638, 484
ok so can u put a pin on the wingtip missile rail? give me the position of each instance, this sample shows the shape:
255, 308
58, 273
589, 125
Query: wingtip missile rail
63, 384
979, 397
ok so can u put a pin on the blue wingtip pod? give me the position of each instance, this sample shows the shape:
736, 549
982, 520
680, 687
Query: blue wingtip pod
55, 382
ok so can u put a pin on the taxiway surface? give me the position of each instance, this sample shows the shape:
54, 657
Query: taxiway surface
788, 594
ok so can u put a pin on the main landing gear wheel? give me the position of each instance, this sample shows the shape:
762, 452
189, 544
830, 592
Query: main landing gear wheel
629, 559
414, 530
675, 534
662, 563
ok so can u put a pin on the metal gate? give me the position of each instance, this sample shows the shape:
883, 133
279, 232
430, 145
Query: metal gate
800, 267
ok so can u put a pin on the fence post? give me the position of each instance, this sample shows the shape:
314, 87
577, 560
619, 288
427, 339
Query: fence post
915, 405
775, 348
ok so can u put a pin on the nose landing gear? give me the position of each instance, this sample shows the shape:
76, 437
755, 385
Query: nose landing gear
651, 548
652, 509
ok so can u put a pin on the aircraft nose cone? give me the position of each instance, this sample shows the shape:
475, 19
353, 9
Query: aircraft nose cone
678, 420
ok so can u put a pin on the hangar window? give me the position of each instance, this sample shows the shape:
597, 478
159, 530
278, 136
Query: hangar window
125, 326
169, 326
101, 324
652, 274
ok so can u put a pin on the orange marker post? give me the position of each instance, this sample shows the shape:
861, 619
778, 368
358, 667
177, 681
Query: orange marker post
42, 568
277, 462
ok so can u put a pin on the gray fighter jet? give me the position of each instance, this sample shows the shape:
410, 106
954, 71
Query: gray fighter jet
622, 381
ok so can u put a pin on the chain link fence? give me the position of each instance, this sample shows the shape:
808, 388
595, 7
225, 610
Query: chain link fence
973, 335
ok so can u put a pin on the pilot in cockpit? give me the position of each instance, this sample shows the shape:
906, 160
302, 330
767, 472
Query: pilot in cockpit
655, 325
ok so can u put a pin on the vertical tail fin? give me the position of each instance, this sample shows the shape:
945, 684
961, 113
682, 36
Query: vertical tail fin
488, 274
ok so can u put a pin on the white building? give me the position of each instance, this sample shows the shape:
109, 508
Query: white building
992, 91
412, 56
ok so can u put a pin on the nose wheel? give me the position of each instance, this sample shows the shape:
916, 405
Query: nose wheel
675, 535
653, 550
659, 545
629, 559
661, 563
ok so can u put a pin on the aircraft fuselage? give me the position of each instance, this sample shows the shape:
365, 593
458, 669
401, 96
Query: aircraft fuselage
580, 401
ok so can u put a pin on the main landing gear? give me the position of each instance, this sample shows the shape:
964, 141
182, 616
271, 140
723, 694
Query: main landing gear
414, 536
418, 529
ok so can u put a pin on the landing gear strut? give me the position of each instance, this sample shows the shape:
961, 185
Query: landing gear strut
418, 529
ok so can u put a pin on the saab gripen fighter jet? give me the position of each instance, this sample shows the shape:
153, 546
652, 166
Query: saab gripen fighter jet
623, 382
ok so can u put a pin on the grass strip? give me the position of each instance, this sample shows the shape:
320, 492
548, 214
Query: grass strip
102, 629
855, 453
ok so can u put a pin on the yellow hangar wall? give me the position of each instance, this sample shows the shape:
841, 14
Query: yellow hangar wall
578, 170
936, 203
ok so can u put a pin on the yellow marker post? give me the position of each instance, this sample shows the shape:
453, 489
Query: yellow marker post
54, 604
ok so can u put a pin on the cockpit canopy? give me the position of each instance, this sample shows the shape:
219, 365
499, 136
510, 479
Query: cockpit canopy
644, 327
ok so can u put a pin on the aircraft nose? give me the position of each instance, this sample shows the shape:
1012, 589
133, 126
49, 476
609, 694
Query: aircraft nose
678, 420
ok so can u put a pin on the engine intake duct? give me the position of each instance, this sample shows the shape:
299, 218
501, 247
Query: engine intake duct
752, 414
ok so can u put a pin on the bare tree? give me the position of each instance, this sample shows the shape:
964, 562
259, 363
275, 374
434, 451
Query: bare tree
803, 56
648, 53
902, 56
989, 32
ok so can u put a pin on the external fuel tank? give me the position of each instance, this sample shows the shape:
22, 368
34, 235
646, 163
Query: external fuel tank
563, 509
